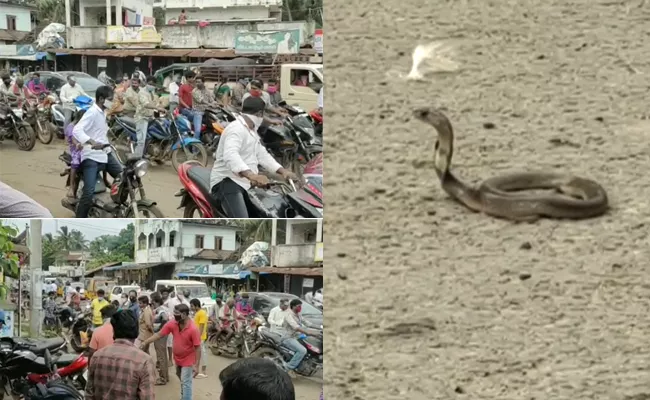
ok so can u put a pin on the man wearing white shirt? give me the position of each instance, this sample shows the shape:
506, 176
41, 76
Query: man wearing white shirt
174, 87
91, 131
277, 314
238, 155
69, 92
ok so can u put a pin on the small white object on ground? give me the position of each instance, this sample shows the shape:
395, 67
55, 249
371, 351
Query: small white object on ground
431, 58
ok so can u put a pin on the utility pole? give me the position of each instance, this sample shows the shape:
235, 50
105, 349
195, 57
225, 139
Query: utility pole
36, 270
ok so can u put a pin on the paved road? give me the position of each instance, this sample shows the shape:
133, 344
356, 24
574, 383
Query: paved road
36, 173
209, 388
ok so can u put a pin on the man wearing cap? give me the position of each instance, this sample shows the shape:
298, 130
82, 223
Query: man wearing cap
69, 92
238, 155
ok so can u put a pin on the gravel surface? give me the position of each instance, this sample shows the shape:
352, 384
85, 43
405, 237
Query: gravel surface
431, 301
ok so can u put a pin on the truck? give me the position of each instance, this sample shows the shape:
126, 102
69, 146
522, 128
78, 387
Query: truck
198, 290
214, 74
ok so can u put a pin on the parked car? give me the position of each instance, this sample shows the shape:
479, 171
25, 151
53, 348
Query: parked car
263, 302
54, 81
198, 290
116, 292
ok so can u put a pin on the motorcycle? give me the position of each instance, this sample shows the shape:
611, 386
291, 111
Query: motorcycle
120, 201
240, 344
269, 346
161, 143
57, 114
215, 121
43, 120
21, 371
279, 200
13, 127
81, 328
317, 119
36, 346
294, 143
54, 390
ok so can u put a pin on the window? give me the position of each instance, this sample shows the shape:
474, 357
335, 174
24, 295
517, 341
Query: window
172, 236
198, 241
117, 290
218, 242
313, 82
11, 22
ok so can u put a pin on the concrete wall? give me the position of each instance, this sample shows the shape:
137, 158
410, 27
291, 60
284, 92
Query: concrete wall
189, 233
293, 255
221, 35
87, 37
220, 13
197, 4
22, 14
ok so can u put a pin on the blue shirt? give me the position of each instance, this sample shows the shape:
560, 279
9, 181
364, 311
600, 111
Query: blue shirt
135, 307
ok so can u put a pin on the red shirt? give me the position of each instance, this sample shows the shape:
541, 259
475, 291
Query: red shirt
185, 342
185, 94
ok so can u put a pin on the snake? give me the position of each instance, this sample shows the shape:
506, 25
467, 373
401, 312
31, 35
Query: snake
508, 196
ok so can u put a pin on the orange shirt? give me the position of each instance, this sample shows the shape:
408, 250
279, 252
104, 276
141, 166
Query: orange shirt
102, 337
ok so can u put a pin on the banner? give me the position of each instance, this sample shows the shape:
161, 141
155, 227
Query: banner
318, 41
132, 34
273, 42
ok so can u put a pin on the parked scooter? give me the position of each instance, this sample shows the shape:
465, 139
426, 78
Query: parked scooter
279, 200
121, 201
270, 346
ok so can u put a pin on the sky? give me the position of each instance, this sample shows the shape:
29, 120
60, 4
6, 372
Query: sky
91, 228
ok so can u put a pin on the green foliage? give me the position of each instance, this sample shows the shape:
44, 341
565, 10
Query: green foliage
8, 260
112, 248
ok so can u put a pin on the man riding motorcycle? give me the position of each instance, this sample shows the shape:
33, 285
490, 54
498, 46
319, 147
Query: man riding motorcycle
91, 131
292, 328
238, 155
69, 92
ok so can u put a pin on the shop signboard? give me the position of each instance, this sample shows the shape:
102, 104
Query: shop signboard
272, 42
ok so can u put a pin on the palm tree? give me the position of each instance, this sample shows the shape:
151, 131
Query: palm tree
51, 10
257, 230
71, 239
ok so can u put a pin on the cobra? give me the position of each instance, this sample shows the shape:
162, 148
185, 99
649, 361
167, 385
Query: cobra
565, 197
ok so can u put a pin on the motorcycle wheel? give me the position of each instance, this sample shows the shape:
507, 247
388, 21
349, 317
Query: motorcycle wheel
75, 342
213, 344
148, 212
46, 134
25, 136
196, 151
270, 354
190, 209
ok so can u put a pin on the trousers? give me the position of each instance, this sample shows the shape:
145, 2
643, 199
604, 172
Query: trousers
89, 173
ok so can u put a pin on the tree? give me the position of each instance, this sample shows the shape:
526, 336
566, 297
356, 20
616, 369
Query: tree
51, 250
8, 260
259, 230
51, 10
112, 248
71, 240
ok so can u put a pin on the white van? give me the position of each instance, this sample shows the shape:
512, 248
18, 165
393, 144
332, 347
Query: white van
198, 290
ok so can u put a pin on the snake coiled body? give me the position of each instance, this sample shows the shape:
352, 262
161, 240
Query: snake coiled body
505, 196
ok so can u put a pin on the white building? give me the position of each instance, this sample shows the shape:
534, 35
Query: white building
222, 10
186, 243
111, 12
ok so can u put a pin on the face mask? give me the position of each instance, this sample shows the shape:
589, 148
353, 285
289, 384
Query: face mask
178, 318
272, 89
244, 301
132, 299
200, 86
108, 104
256, 92
36, 81
100, 298
151, 89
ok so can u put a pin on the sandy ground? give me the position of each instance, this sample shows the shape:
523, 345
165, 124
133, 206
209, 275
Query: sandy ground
441, 303
36, 173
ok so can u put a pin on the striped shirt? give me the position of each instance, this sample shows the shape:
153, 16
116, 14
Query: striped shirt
121, 371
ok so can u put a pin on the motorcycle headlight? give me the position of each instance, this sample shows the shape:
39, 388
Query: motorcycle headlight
140, 168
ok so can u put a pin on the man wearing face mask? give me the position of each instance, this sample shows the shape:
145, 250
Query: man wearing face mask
133, 304
91, 131
238, 155
257, 90
145, 105
96, 306
292, 328
274, 92
187, 347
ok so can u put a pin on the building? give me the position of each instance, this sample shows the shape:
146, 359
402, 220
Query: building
16, 20
122, 12
222, 10
166, 248
297, 264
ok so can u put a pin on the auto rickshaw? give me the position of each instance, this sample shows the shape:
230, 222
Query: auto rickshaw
99, 283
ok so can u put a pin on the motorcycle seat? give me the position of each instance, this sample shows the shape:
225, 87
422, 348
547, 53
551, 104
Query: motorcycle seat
39, 346
201, 177
65, 359
276, 337
128, 121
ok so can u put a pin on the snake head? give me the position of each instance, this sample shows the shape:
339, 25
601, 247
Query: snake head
422, 113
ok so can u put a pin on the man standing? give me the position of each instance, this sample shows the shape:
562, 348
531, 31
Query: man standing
121, 371
91, 131
145, 322
96, 305
102, 336
238, 155
277, 315
161, 317
174, 87
171, 303
201, 321
133, 304
69, 92
187, 347
291, 329
202, 98
186, 103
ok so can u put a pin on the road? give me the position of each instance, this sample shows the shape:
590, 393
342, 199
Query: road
209, 388
36, 173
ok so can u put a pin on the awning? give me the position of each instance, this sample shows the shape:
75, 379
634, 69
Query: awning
197, 53
133, 266
241, 275
34, 57
307, 271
